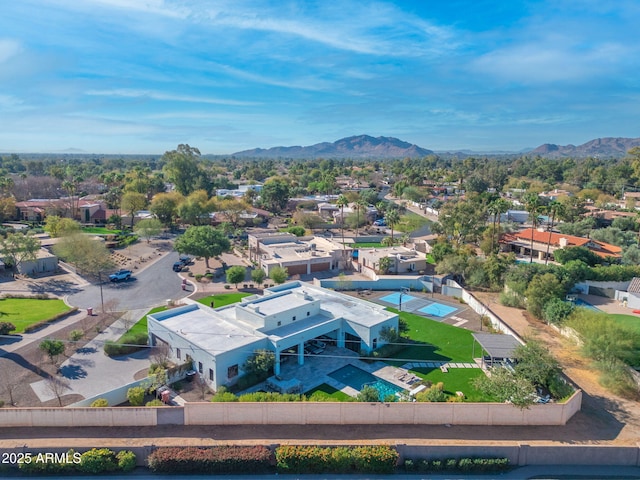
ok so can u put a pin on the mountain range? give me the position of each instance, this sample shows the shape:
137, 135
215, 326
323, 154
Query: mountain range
359, 146
365, 146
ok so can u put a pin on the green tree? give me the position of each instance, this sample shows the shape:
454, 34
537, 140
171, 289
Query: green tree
541, 290
85, 253
148, 228
135, 395
556, 209
236, 274
16, 248
505, 386
195, 209
133, 202
342, 202
384, 264
275, 194
57, 226
204, 241
360, 206
533, 205
260, 363
182, 168
165, 207
535, 363
556, 311
368, 394
392, 218
569, 254
279, 274
53, 349
258, 276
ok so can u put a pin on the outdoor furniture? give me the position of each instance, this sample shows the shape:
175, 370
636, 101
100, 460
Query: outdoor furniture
444, 369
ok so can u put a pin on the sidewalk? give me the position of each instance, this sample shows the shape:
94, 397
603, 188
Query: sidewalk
90, 372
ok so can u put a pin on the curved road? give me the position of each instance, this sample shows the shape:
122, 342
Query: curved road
148, 288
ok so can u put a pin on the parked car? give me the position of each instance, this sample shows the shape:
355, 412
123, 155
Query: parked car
182, 262
120, 275
380, 223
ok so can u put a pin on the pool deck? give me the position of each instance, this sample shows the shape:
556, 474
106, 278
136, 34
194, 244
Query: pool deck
606, 304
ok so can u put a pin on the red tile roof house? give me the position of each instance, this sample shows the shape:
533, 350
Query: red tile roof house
520, 243
37, 209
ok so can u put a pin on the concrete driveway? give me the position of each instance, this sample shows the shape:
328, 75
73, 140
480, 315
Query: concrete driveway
90, 372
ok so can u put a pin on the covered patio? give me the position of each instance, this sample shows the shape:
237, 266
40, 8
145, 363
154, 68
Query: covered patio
495, 349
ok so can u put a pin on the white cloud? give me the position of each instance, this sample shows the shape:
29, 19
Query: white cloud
133, 93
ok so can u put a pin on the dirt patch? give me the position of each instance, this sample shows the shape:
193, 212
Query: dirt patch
26, 365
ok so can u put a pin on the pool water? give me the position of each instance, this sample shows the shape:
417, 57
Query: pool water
578, 302
438, 310
357, 378
394, 298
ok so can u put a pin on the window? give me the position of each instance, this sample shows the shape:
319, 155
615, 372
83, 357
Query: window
308, 313
279, 323
211, 374
294, 318
178, 354
374, 343
232, 371
200, 367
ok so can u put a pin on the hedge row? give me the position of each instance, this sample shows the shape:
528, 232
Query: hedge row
94, 461
461, 465
128, 343
313, 459
36, 326
212, 460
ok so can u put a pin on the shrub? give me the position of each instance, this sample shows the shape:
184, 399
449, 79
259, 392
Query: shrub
212, 460
154, 403
100, 402
68, 464
135, 395
98, 460
6, 327
511, 299
126, 460
128, 343
313, 459
75, 335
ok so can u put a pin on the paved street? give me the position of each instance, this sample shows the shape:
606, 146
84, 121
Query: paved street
149, 287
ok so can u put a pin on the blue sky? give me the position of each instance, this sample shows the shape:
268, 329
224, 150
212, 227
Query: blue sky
142, 76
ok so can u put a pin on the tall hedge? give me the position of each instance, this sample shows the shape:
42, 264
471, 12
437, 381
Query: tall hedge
211, 460
313, 459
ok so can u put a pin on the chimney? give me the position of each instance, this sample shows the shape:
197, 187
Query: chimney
563, 242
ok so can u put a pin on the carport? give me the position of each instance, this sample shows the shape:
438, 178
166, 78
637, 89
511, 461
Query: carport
499, 348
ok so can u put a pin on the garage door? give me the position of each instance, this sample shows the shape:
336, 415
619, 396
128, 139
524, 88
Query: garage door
297, 269
320, 267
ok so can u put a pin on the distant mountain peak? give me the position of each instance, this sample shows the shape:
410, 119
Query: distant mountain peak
358, 146
608, 147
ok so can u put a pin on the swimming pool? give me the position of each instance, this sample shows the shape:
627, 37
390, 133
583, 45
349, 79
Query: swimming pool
578, 302
394, 298
438, 310
357, 378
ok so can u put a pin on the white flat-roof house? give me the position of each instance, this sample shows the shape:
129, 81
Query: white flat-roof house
299, 255
219, 341
403, 260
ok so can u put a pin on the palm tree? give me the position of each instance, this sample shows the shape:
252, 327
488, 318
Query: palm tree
497, 208
359, 205
532, 205
392, 218
342, 202
555, 209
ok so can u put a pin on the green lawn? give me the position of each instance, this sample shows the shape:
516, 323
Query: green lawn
366, 245
223, 299
455, 380
327, 391
435, 341
411, 221
629, 321
23, 312
100, 231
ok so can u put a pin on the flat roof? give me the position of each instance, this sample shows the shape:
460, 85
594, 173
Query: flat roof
207, 329
497, 345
